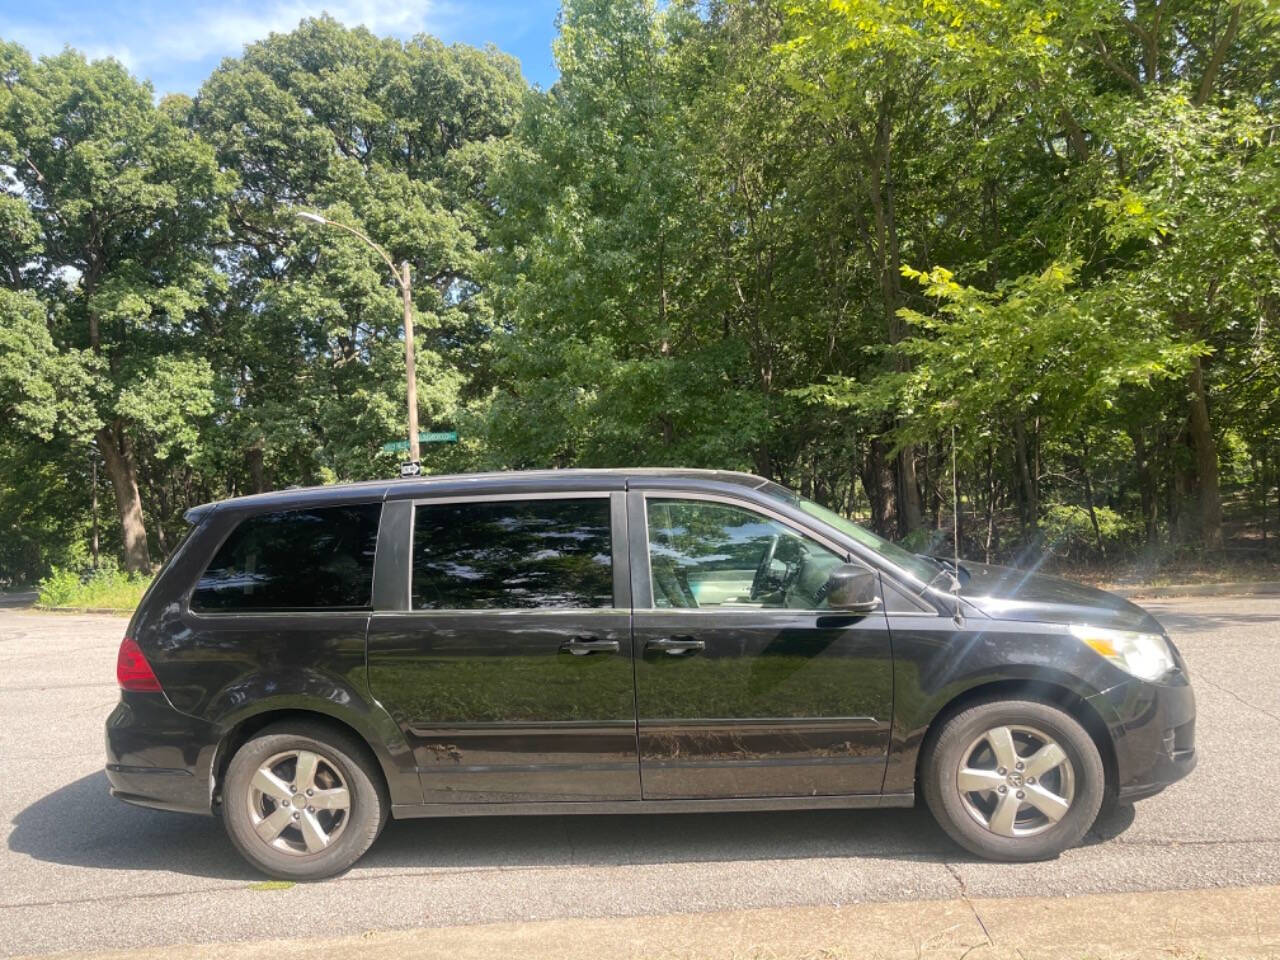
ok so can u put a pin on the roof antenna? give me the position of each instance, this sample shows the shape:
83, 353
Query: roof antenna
958, 614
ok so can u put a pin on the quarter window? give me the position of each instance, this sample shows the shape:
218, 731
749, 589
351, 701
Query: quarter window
553, 554
294, 560
707, 554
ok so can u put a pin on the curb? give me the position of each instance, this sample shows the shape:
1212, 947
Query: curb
1244, 588
1217, 923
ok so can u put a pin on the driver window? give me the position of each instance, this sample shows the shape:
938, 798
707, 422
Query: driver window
704, 554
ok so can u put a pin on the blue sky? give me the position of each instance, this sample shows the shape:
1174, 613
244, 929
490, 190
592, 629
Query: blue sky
177, 44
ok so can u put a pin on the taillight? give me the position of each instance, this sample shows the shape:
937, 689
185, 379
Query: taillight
132, 670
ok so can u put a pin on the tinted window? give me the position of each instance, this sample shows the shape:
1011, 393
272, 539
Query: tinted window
923, 570
522, 554
704, 554
294, 560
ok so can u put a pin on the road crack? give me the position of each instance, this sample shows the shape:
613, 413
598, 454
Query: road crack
1252, 706
1237, 841
964, 895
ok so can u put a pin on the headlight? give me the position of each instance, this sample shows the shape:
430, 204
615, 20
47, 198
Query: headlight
1145, 655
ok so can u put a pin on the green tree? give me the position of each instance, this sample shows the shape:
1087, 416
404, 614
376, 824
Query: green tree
122, 203
395, 139
1093, 133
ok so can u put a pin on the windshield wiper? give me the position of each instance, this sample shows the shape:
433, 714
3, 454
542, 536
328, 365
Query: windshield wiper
944, 567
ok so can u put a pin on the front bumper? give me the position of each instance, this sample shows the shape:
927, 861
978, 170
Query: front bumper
1153, 730
158, 757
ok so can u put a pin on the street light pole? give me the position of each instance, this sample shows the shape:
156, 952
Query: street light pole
410, 364
405, 283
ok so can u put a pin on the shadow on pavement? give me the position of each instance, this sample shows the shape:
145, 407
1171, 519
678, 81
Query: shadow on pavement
81, 825
1110, 824
622, 840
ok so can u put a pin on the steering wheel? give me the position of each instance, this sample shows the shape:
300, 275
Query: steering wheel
761, 580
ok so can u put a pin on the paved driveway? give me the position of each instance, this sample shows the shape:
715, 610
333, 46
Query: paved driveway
82, 871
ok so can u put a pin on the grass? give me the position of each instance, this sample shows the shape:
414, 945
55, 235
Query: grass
104, 589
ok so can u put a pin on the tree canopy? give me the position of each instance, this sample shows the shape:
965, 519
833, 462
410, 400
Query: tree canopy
834, 242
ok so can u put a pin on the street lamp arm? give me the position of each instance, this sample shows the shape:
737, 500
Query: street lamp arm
395, 271
405, 283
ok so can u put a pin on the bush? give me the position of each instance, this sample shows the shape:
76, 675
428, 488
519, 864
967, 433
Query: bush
1068, 532
106, 588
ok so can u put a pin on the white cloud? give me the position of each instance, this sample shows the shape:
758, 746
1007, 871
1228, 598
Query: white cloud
43, 40
224, 29
164, 40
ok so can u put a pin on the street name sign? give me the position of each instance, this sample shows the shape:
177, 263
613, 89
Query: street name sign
438, 436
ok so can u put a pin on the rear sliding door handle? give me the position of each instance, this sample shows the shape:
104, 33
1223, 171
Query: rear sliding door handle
676, 646
581, 646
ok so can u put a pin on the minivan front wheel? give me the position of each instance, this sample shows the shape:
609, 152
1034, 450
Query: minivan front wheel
303, 801
1013, 779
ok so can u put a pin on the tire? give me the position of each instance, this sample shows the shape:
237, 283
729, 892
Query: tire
256, 807
978, 819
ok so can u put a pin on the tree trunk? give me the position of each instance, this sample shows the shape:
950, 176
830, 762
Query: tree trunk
1146, 484
991, 504
889, 251
93, 461
1183, 489
1266, 461
764, 463
934, 469
117, 457
1206, 452
910, 514
257, 472
878, 483
1088, 497
1030, 506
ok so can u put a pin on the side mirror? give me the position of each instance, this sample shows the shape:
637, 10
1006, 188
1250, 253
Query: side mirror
853, 588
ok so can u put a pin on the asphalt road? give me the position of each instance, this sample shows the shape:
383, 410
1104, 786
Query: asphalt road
84, 872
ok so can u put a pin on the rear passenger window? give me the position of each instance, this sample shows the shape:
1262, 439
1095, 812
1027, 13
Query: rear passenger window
294, 560
524, 554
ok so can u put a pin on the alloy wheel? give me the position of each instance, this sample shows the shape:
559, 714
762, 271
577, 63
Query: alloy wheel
298, 802
1016, 781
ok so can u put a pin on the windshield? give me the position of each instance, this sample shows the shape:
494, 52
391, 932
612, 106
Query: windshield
919, 567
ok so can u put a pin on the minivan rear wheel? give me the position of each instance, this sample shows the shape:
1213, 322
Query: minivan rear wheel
1013, 780
303, 801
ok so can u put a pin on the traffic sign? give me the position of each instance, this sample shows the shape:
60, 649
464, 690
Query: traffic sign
438, 436
410, 468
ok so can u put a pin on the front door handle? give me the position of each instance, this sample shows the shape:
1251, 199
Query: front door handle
581, 646
676, 646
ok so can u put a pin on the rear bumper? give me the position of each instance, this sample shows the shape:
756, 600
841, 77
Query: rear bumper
158, 757
1154, 735
158, 787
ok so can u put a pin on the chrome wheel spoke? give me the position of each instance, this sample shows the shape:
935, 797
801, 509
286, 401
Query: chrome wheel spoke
1003, 816
317, 814
271, 785
1001, 740
971, 780
312, 833
304, 775
270, 827
1047, 802
335, 799
1016, 780
1047, 758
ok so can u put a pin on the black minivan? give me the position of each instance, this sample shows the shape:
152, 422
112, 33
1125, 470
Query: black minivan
310, 662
